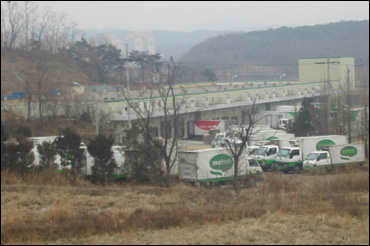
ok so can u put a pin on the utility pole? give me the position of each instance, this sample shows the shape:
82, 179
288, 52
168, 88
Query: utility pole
328, 89
128, 89
328, 62
349, 104
97, 115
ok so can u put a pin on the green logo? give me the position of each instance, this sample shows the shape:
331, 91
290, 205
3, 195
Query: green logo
221, 162
271, 138
182, 160
325, 142
348, 151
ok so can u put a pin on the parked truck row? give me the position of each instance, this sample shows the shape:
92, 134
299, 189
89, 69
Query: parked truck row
291, 158
282, 152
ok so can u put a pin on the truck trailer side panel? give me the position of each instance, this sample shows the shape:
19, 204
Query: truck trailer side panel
208, 165
347, 154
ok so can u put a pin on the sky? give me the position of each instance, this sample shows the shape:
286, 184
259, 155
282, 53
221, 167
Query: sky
206, 15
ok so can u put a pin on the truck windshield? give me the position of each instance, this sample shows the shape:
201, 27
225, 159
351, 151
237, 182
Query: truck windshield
251, 151
262, 151
253, 163
283, 153
312, 156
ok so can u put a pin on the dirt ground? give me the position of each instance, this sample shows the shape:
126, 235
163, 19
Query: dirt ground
282, 209
278, 228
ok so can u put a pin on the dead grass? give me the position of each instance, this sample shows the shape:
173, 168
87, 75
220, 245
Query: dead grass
282, 209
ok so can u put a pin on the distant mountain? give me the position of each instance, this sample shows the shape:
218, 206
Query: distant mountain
268, 54
168, 43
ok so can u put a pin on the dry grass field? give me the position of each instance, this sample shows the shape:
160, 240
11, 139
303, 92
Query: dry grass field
281, 209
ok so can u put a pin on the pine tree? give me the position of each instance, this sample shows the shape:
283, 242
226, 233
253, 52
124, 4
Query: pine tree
104, 164
47, 152
19, 156
72, 156
4, 137
304, 125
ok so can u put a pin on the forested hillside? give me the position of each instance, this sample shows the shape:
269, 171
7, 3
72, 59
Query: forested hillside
267, 54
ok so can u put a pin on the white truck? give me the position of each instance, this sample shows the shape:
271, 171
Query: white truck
282, 118
291, 158
213, 165
265, 137
38, 141
335, 155
118, 155
281, 140
250, 151
266, 156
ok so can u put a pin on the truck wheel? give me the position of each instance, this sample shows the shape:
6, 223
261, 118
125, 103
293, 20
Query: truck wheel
297, 169
273, 166
327, 170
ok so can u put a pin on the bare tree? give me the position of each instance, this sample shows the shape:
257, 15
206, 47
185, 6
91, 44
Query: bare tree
23, 26
39, 28
28, 90
12, 24
42, 69
29, 9
348, 118
364, 118
53, 106
341, 110
243, 133
169, 108
69, 34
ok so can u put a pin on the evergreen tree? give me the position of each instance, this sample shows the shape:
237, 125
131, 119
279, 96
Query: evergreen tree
104, 164
304, 125
23, 132
143, 161
72, 156
19, 157
146, 62
208, 75
47, 152
4, 137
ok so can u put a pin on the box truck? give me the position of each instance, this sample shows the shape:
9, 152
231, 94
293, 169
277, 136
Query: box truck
213, 165
250, 151
38, 141
118, 155
335, 155
266, 156
282, 118
291, 158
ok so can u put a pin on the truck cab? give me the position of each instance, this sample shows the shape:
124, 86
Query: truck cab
266, 156
285, 123
250, 151
317, 159
253, 166
290, 159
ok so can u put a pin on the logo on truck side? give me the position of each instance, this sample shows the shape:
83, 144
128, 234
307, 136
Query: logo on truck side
325, 142
221, 162
348, 151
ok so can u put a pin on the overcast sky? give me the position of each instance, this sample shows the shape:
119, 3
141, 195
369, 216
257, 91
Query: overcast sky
198, 15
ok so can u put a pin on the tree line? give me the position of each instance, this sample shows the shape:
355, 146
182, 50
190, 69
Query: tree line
26, 27
18, 156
